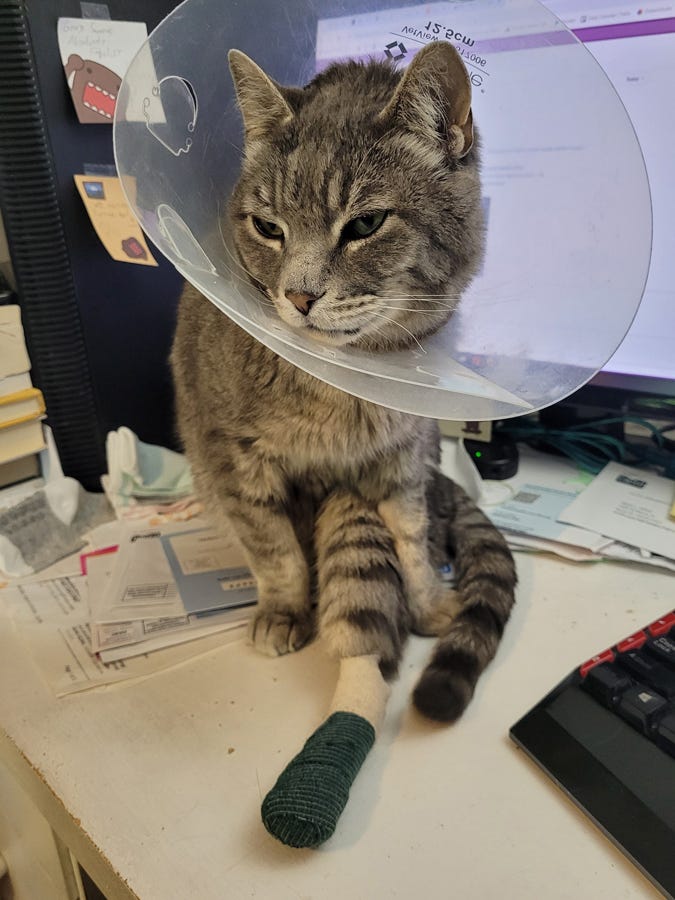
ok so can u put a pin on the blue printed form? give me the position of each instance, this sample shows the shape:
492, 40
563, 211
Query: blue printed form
209, 570
535, 509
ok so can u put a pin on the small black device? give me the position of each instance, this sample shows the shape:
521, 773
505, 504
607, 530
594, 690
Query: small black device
496, 459
606, 736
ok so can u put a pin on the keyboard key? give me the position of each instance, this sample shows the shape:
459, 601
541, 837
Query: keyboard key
665, 733
663, 648
605, 656
645, 668
662, 625
641, 706
607, 682
632, 642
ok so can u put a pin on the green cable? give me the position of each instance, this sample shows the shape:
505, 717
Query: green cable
592, 450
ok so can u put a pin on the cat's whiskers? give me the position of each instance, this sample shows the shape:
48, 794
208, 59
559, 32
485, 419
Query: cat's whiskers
236, 275
441, 303
387, 341
422, 297
427, 306
260, 295
238, 263
379, 331
421, 312
398, 324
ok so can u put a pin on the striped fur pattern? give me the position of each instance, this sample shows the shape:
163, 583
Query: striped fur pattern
339, 504
346, 149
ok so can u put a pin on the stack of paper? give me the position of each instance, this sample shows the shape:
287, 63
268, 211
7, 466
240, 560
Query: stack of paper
159, 588
135, 602
552, 505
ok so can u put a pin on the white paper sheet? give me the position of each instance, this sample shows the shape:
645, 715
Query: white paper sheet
52, 617
629, 505
541, 545
228, 632
625, 553
141, 584
120, 640
538, 495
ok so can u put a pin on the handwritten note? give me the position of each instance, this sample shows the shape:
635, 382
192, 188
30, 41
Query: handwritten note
95, 54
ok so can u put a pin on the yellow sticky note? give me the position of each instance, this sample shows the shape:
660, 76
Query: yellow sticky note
113, 221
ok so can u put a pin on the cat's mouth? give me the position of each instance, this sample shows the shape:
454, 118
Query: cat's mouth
334, 337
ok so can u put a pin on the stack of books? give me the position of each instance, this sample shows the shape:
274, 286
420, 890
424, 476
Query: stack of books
22, 406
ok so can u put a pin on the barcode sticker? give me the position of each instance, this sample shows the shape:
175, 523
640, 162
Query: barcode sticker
526, 497
167, 623
149, 593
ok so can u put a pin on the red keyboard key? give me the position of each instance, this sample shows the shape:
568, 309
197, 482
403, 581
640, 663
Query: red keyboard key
633, 642
604, 657
663, 625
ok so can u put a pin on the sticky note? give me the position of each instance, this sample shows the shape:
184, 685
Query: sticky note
113, 221
95, 54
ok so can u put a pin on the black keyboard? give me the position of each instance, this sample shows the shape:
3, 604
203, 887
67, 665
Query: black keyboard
606, 736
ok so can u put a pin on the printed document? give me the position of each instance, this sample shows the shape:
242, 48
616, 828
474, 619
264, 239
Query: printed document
629, 505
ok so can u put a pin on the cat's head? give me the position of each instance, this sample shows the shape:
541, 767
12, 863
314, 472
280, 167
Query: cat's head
358, 208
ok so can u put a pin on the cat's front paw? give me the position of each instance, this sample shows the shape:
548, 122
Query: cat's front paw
275, 633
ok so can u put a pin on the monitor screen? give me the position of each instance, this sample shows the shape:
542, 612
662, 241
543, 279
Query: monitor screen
635, 46
634, 42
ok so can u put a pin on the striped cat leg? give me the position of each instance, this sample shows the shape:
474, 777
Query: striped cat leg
283, 620
364, 620
253, 504
362, 605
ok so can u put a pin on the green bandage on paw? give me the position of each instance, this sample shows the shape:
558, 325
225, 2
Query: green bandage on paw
303, 807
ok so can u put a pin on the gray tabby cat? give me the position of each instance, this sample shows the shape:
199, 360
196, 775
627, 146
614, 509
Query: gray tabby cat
357, 215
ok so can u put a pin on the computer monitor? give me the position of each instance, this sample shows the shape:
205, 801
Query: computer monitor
635, 45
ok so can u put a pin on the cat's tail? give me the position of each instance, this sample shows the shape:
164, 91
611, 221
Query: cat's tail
485, 580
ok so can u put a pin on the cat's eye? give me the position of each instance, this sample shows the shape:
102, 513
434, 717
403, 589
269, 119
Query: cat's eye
268, 229
363, 226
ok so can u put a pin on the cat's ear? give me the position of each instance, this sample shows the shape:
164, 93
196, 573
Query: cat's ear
263, 106
434, 98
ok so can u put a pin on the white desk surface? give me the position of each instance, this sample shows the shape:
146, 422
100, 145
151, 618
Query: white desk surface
156, 786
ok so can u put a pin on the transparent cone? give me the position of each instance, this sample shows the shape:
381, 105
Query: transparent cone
565, 191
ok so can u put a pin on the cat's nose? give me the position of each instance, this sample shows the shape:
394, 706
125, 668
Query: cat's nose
302, 302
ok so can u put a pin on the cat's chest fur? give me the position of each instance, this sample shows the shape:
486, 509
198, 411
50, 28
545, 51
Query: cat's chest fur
312, 427
259, 400
323, 429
